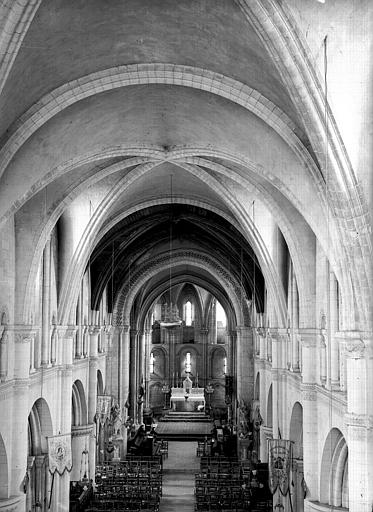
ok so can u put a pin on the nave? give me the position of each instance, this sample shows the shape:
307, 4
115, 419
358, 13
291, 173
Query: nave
189, 481
186, 198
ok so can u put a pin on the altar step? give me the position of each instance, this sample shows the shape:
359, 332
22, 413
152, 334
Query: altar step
176, 416
184, 426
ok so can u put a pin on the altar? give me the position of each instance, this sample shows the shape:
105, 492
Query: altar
182, 400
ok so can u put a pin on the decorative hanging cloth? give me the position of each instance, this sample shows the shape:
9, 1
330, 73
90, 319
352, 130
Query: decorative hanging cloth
59, 452
279, 465
103, 408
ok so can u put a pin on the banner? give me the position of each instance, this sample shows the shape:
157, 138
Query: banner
279, 462
103, 408
59, 452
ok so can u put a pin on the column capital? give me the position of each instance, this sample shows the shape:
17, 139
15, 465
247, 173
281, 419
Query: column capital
39, 460
67, 331
23, 333
123, 328
204, 330
308, 337
355, 346
94, 330
243, 329
82, 430
108, 329
309, 392
359, 420
261, 332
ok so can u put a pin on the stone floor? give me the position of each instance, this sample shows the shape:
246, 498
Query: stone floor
178, 477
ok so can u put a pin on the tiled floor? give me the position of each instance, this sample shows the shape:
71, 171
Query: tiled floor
178, 477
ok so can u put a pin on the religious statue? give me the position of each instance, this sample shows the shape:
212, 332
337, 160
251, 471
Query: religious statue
256, 421
245, 428
116, 419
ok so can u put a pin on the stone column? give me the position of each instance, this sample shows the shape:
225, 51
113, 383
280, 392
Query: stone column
22, 339
262, 343
45, 335
148, 334
61, 492
54, 347
205, 360
30, 485
212, 324
310, 427
3, 356
359, 422
322, 356
276, 381
245, 364
79, 337
124, 379
333, 325
94, 332
295, 317
133, 373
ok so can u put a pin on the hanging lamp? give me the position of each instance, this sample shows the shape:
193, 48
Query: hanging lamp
171, 312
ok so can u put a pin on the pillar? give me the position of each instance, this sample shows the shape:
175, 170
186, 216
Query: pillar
124, 378
45, 337
295, 318
359, 423
205, 360
79, 337
276, 380
22, 339
310, 427
94, 332
4, 356
333, 325
61, 493
133, 373
262, 343
148, 334
245, 364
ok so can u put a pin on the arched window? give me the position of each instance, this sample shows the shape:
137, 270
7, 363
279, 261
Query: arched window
151, 363
188, 313
221, 317
188, 364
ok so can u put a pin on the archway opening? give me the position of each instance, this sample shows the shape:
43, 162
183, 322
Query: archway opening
39, 429
334, 470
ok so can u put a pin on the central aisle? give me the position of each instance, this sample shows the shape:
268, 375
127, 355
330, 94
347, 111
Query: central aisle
178, 477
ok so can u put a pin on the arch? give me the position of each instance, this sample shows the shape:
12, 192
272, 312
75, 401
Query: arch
218, 354
40, 427
3, 471
257, 387
269, 418
198, 260
296, 430
160, 358
100, 383
334, 470
78, 404
194, 360
156, 398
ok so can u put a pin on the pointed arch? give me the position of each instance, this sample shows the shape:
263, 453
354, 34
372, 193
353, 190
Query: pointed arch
78, 404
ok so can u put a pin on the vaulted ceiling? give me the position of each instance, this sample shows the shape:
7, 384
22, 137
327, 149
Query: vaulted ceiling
114, 98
